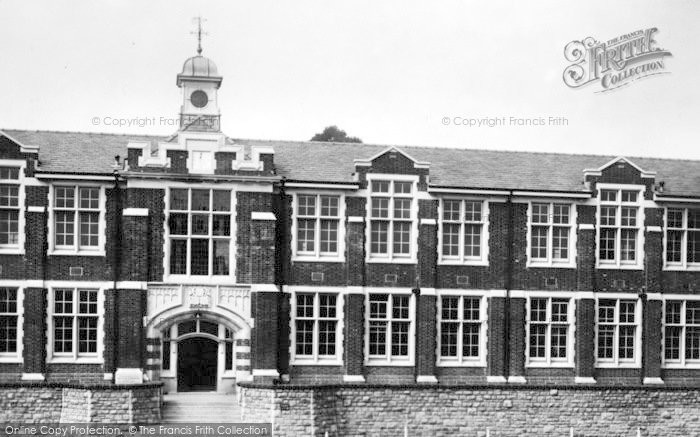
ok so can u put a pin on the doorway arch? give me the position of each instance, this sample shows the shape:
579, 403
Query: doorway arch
200, 351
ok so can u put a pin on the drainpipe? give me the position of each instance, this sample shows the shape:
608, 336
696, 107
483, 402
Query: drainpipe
116, 264
416, 292
281, 267
508, 285
643, 297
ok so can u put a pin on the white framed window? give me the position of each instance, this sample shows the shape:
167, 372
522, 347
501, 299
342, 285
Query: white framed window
389, 329
318, 227
463, 231
76, 324
199, 232
10, 324
316, 328
392, 217
682, 238
681, 338
551, 239
461, 330
77, 220
620, 220
11, 207
618, 332
550, 332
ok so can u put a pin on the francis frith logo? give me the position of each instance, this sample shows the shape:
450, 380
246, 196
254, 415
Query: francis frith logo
614, 63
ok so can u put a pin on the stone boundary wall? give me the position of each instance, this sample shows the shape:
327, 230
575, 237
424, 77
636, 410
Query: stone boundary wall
71, 403
344, 410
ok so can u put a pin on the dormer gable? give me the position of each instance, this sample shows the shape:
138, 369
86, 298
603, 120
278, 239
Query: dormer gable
620, 170
392, 160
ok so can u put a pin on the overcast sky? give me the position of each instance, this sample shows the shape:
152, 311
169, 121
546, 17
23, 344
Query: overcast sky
385, 71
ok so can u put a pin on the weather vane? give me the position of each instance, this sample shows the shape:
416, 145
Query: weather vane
199, 33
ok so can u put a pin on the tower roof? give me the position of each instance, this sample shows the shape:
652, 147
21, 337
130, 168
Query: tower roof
199, 68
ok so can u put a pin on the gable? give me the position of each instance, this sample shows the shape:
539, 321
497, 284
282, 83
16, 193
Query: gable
9, 149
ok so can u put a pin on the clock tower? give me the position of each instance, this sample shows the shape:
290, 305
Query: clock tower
199, 81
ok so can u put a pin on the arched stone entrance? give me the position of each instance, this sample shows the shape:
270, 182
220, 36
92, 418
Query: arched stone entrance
198, 345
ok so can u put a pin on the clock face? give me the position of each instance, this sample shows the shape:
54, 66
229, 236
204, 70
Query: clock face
199, 99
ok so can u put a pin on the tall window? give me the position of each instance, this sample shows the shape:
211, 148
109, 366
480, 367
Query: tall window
9, 207
76, 218
617, 323
228, 346
8, 321
550, 233
549, 330
75, 319
316, 319
682, 332
463, 230
389, 326
619, 227
462, 327
317, 225
391, 219
200, 231
683, 237
165, 357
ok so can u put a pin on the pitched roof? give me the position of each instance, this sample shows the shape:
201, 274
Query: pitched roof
83, 152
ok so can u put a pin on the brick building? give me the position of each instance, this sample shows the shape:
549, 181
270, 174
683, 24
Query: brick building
201, 260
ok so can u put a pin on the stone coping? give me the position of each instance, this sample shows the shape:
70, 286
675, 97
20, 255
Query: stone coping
492, 386
104, 387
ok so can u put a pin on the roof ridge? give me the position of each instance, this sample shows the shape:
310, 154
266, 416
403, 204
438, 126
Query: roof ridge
461, 148
386, 146
51, 131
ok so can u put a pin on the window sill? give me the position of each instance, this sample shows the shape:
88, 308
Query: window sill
64, 252
11, 251
456, 262
545, 265
301, 362
679, 366
442, 363
11, 360
200, 280
372, 362
71, 360
690, 268
619, 267
322, 259
391, 261
562, 365
618, 365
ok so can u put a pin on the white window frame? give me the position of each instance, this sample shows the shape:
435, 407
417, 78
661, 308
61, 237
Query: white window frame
617, 263
460, 360
461, 259
387, 359
390, 257
16, 249
681, 362
317, 255
15, 357
210, 278
76, 248
550, 261
75, 356
683, 264
548, 361
315, 358
615, 362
